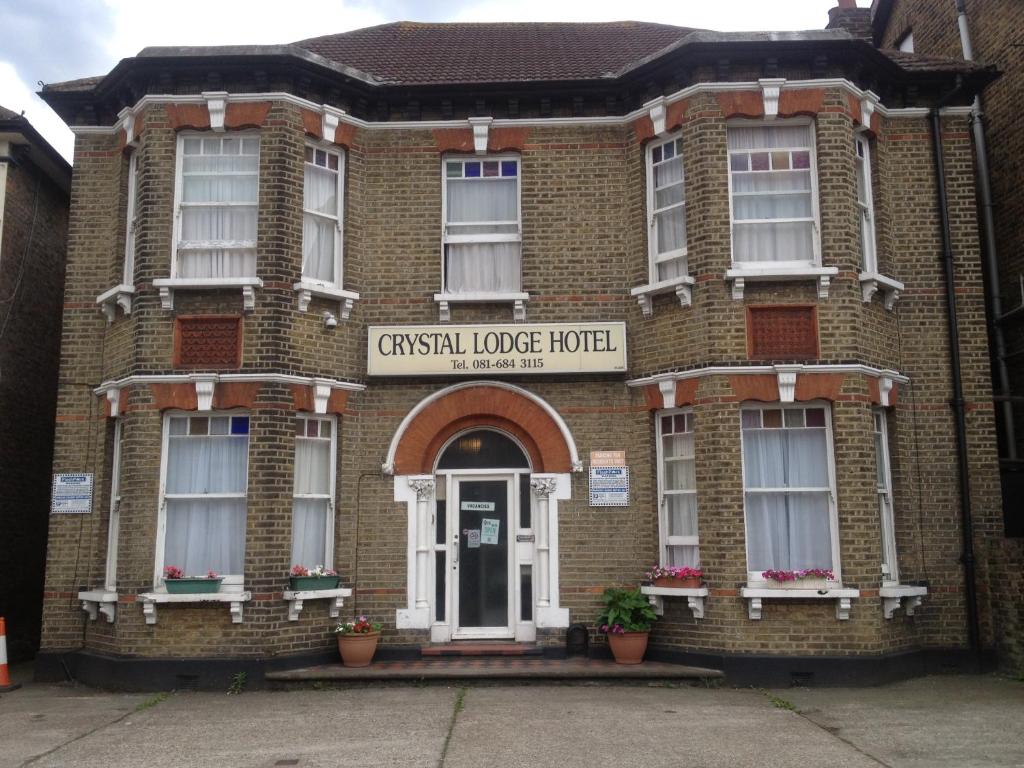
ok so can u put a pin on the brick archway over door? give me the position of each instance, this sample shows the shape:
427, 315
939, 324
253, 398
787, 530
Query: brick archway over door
502, 407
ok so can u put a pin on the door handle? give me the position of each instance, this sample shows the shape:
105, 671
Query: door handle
455, 550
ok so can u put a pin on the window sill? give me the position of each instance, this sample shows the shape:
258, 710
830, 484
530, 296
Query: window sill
150, 600
755, 595
739, 277
99, 601
872, 282
695, 597
306, 291
168, 285
518, 301
905, 595
295, 600
118, 296
680, 286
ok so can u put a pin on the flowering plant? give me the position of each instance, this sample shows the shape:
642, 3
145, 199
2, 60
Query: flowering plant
359, 626
671, 572
625, 610
174, 572
815, 573
301, 570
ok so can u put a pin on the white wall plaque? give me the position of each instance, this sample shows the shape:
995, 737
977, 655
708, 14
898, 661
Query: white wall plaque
609, 486
472, 350
72, 494
489, 530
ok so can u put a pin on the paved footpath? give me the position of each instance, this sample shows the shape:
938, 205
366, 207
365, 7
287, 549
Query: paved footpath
929, 722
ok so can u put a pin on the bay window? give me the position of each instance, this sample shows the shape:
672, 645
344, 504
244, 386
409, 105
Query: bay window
677, 489
666, 209
773, 195
204, 487
323, 174
131, 221
313, 495
217, 204
789, 489
482, 232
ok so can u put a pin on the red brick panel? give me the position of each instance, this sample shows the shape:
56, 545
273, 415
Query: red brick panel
312, 122
207, 341
806, 101
819, 386
762, 387
740, 103
235, 394
182, 116
782, 333
454, 139
249, 114
179, 396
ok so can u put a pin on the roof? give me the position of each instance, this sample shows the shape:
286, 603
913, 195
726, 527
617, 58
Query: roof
435, 54
18, 130
68, 86
916, 62
6, 114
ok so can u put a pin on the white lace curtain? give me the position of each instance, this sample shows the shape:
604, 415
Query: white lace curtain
205, 533
311, 505
483, 208
219, 194
773, 216
669, 216
787, 529
319, 223
679, 484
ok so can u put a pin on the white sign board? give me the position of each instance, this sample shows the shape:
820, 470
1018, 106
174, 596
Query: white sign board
489, 531
478, 506
609, 486
607, 458
472, 350
72, 494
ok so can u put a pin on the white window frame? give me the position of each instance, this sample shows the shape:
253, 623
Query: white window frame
866, 204
815, 218
328, 555
890, 555
906, 43
338, 218
754, 578
131, 221
114, 520
654, 258
176, 241
665, 541
231, 582
447, 239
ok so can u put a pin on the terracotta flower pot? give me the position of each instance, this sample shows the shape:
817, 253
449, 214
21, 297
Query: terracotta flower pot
629, 647
357, 649
691, 582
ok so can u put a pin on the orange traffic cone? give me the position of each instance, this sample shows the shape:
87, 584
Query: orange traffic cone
5, 677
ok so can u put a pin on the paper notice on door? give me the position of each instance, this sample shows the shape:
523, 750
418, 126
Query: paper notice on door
489, 531
478, 506
473, 538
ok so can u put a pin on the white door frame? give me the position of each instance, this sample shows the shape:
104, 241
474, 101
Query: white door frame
454, 513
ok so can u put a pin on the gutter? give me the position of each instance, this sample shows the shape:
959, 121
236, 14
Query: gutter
991, 256
957, 402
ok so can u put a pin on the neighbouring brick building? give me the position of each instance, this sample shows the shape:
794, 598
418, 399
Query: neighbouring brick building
992, 32
35, 183
374, 306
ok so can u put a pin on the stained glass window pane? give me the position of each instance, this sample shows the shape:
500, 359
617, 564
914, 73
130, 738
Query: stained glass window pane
453, 170
509, 167
472, 170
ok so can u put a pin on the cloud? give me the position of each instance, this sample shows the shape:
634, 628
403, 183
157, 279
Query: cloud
17, 97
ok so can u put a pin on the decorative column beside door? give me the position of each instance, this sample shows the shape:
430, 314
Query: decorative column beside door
542, 487
417, 491
424, 488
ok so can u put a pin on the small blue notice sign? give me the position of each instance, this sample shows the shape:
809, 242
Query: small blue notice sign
609, 486
72, 494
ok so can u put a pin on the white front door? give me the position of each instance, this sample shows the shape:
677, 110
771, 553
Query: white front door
482, 556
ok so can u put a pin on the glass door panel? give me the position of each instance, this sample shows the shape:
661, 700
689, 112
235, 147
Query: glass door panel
483, 563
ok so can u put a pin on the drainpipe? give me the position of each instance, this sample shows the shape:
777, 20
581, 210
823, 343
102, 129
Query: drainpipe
959, 410
989, 244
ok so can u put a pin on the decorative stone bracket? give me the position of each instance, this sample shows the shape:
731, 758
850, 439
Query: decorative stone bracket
682, 287
821, 275
909, 597
481, 128
346, 299
771, 89
118, 296
295, 600
234, 600
872, 283
755, 595
168, 285
99, 602
518, 301
695, 598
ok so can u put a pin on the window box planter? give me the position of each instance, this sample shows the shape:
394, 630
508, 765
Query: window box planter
313, 583
691, 582
195, 586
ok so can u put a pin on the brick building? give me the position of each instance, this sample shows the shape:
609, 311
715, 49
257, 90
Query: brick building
989, 32
35, 183
371, 306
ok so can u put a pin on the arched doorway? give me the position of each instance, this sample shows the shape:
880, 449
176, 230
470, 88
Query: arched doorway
482, 586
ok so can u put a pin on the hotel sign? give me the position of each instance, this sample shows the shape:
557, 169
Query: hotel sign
488, 350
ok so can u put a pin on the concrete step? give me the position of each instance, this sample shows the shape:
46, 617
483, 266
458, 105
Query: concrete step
495, 668
485, 648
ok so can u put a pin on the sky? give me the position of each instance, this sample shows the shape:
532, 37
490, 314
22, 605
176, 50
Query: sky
47, 41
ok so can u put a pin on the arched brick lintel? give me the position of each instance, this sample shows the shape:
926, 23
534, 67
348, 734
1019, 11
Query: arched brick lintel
510, 409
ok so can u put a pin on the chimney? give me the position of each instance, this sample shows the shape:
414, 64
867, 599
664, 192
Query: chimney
846, 15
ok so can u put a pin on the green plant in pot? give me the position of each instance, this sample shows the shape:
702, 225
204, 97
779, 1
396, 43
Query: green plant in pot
626, 619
